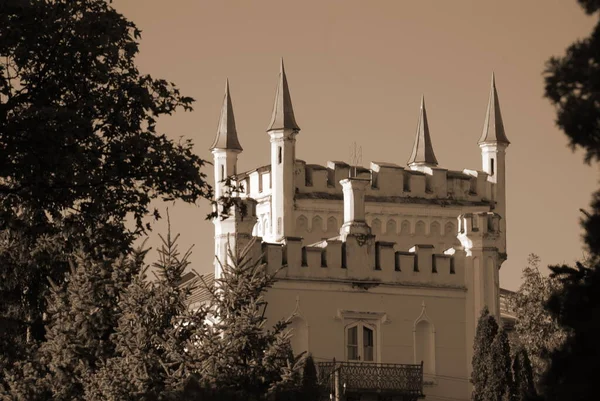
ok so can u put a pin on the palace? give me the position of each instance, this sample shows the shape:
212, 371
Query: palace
385, 269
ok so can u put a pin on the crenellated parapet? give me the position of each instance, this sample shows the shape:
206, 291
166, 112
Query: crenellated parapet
361, 258
479, 231
388, 183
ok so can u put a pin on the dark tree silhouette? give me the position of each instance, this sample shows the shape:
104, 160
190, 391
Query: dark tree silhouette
500, 380
487, 329
81, 155
523, 376
573, 85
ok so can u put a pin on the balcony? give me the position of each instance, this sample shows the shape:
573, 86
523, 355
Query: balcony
405, 381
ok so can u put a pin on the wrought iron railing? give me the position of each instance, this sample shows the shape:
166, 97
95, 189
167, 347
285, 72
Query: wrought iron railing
365, 377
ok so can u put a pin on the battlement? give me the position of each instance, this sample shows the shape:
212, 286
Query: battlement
478, 230
363, 259
389, 182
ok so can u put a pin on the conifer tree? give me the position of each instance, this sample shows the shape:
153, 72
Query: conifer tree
152, 334
572, 86
82, 316
523, 376
240, 354
500, 379
487, 328
310, 387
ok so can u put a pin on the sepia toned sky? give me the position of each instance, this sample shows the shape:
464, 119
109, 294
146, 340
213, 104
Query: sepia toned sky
356, 71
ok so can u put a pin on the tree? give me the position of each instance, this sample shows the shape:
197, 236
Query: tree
523, 376
573, 87
537, 330
239, 354
82, 316
487, 328
310, 386
153, 331
500, 379
81, 154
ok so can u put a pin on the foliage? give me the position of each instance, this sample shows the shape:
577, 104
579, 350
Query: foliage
523, 376
239, 353
500, 380
537, 330
487, 329
310, 386
572, 85
153, 331
82, 315
81, 154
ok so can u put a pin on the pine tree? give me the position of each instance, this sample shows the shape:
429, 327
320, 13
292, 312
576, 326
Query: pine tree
487, 328
82, 316
500, 379
151, 337
310, 387
240, 354
523, 376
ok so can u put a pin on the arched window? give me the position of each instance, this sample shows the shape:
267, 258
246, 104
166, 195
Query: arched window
301, 224
435, 229
420, 228
390, 227
450, 230
299, 339
405, 227
424, 342
360, 342
332, 225
257, 231
317, 224
376, 226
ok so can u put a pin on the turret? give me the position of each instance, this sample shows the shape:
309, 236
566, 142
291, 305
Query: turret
282, 130
481, 238
354, 207
422, 153
225, 150
355, 233
226, 147
493, 143
234, 232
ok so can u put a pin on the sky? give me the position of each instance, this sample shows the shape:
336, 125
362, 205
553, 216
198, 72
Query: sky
356, 72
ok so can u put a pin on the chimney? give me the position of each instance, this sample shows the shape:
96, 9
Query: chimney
354, 207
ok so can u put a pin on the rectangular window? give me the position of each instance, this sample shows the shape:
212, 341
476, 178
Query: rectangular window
353, 343
492, 166
279, 154
368, 344
222, 172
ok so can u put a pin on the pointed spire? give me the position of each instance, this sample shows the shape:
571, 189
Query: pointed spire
422, 153
493, 128
283, 113
227, 133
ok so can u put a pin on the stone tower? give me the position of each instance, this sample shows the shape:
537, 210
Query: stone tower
282, 130
493, 144
225, 149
